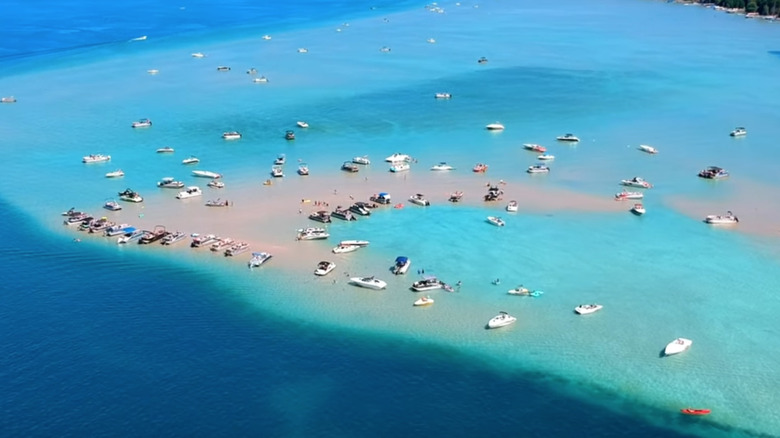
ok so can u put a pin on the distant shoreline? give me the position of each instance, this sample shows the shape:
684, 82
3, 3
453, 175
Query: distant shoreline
741, 11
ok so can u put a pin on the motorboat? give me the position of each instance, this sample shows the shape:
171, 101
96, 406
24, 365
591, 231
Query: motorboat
190, 160
206, 174
442, 166
8, 99
427, 283
95, 158
198, 55
251, 71
385, 49
398, 157
584, 309
100, 225
493, 194
419, 199
303, 169
482, 60
172, 238
189, 192
115, 174
236, 249
260, 80
480, 168
423, 301
546, 157
494, 126
169, 182
258, 258
112, 205
130, 196
713, 172
497, 221
399, 166
216, 184
625, 195
266, 37
302, 124
72, 212
77, 218
154, 235
455, 196
142, 123
320, 216
280, 159
361, 208
223, 68
341, 249
324, 268
349, 166
501, 320
312, 233
401, 265
368, 282
355, 242
535, 147
648, 149
343, 214
512, 206
86, 223
738, 132
303, 50
636, 182
166, 150
524, 292
538, 168
131, 234
726, 219
677, 346
431, 40
638, 209
443, 96
277, 172
289, 135
231, 135
116, 229
381, 198
217, 203
224, 242
692, 411
204, 240
362, 160
568, 137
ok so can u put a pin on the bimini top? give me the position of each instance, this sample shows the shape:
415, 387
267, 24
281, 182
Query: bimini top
401, 259
384, 194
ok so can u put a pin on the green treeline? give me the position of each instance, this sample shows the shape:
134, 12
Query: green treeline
763, 7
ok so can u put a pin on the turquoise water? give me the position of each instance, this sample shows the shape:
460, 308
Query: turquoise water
591, 68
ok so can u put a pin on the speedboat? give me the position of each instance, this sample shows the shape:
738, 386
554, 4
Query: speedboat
142, 123
324, 268
524, 291
638, 209
116, 229
8, 99
692, 411
77, 218
281, 159
266, 37
198, 55
361, 208
738, 132
340, 249
312, 233
231, 135
169, 182
115, 174
251, 71
443, 96
419, 199
216, 184
677, 346
401, 265
289, 135
206, 174
535, 147
442, 166
546, 157
96, 158
343, 214
398, 157
112, 205
204, 240
361, 160
482, 60
426, 284
424, 301
172, 238
189, 192
303, 169
156, 234
349, 166
302, 124
538, 168
512, 206
303, 50
130, 196
584, 309
165, 150
480, 168
190, 160
368, 282
727, 219
236, 249
217, 203
501, 320
385, 49
568, 137
258, 258
494, 126
399, 166
355, 242
497, 221
153, 71
636, 182
455, 196
713, 172
320, 216
223, 68
431, 40
648, 149
381, 198
131, 234
277, 172
624, 195
260, 80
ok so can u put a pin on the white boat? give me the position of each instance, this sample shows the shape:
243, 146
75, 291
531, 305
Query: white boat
303, 50
427, 283
546, 157
714, 172
399, 166
216, 184
368, 282
568, 137
260, 80
236, 249
341, 249
424, 301
534, 147
625, 195
277, 172
512, 206
172, 238
497, 221
738, 132
361, 160
584, 309
638, 209
648, 149
398, 157
349, 166
206, 174
231, 135
169, 182
501, 320
131, 234
281, 159
494, 126
677, 346
221, 243
302, 124
538, 168
190, 160
401, 265
258, 258
431, 40
266, 37
303, 169
96, 158
203, 240
189, 192
142, 123
443, 96
153, 71
442, 166
217, 203
312, 233
130, 196
385, 49
636, 182
355, 242
251, 71
116, 230
223, 68
165, 150
324, 268
524, 291
419, 199
115, 174
112, 205
8, 99
198, 55
726, 219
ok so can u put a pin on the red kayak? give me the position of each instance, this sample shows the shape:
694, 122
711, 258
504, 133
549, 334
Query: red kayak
691, 411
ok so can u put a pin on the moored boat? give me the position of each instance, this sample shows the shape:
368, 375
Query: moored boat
154, 235
189, 192
165, 150
216, 184
538, 168
258, 258
546, 157
427, 283
497, 221
289, 135
303, 169
401, 265
568, 137
115, 174
419, 199
190, 160
172, 238
399, 166
321, 216
231, 135
355, 242
638, 209
648, 149
131, 234
442, 96
236, 249
95, 158
368, 282
343, 214
512, 206
225, 242
142, 123
423, 301
398, 157
501, 320
625, 195
534, 147
130, 196
636, 182
116, 229
361, 160
112, 205
692, 411
524, 292
312, 233
8, 99
302, 124
480, 168
442, 166
324, 268
340, 249
455, 196
713, 172
677, 346
727, 219
206, 174
361, 208
349, 166
217, 203
277, 172
494, 126
280, 159
203, 240
738, 132
584, 309
383, 198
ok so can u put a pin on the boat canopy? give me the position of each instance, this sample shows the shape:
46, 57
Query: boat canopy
401, 259
384, 195
128, 229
